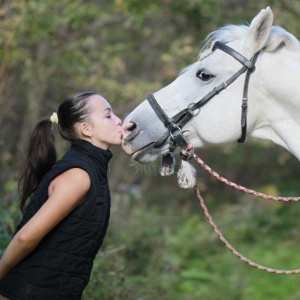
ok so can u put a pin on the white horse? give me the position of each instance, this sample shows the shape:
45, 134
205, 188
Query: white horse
273, 94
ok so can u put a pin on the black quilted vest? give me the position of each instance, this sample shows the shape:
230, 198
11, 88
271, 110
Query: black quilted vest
60, 267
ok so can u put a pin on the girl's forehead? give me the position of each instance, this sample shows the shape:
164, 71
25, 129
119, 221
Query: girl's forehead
99, 102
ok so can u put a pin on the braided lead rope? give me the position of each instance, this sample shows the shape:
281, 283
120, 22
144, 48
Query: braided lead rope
234, 185
189, 152
235, 252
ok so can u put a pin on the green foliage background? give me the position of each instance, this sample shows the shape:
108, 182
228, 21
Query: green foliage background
159, 245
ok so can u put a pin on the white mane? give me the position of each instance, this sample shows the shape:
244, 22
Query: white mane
278, 38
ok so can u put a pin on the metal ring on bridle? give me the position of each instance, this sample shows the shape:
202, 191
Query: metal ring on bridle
176, 127
193, 112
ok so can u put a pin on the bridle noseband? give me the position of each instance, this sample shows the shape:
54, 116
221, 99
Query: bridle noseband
174, 124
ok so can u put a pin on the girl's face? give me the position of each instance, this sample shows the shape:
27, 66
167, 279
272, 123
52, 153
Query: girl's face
104, 126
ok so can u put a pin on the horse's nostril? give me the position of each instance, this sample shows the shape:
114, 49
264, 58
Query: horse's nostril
132, 126
130, 131
129, 127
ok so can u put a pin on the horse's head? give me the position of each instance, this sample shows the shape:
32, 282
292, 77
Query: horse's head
214, 121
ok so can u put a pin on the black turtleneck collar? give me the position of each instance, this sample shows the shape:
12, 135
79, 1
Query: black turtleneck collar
99, 155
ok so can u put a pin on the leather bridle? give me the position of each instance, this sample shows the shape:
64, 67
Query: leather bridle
175, 124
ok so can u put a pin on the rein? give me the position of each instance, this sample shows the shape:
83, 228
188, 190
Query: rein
189, 153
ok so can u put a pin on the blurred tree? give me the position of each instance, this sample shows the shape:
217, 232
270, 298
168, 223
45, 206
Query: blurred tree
54, 48
157, 247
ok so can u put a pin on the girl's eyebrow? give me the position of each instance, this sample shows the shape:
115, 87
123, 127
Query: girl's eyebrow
106, 109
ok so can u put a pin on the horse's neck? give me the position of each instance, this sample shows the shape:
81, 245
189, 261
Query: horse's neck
279, 119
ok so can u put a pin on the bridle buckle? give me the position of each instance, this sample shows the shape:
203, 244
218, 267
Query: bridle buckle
195, 112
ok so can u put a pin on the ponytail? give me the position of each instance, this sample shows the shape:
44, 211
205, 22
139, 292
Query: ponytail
41, 152
41, 156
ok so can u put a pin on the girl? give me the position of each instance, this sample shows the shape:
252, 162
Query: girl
63, 226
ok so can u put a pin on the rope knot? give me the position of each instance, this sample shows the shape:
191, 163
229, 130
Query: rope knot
188, 153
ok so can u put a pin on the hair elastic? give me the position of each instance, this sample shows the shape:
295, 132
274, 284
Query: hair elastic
54, 118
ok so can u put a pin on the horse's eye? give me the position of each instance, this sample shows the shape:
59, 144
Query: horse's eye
204, 76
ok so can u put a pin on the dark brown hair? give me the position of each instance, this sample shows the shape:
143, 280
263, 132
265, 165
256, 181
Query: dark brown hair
41, 152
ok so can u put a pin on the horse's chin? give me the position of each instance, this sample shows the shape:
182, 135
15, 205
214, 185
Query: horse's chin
145, 155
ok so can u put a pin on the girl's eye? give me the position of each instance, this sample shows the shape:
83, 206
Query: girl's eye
204, 76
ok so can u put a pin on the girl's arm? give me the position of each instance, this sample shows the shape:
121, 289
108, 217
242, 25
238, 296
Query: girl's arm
66, 192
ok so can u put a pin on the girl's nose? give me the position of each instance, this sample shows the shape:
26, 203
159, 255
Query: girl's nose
118, 121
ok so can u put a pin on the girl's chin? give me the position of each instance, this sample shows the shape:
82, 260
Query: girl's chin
117, 143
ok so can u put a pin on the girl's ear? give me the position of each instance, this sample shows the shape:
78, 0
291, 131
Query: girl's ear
85, 129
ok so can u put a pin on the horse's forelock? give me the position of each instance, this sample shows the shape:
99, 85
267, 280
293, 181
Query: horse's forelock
278, 38
224, 35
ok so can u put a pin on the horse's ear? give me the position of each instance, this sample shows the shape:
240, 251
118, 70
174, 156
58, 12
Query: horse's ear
259, 30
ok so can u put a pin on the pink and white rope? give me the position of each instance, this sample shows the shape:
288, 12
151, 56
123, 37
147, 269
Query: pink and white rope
190, 153
232, 249
242, 188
